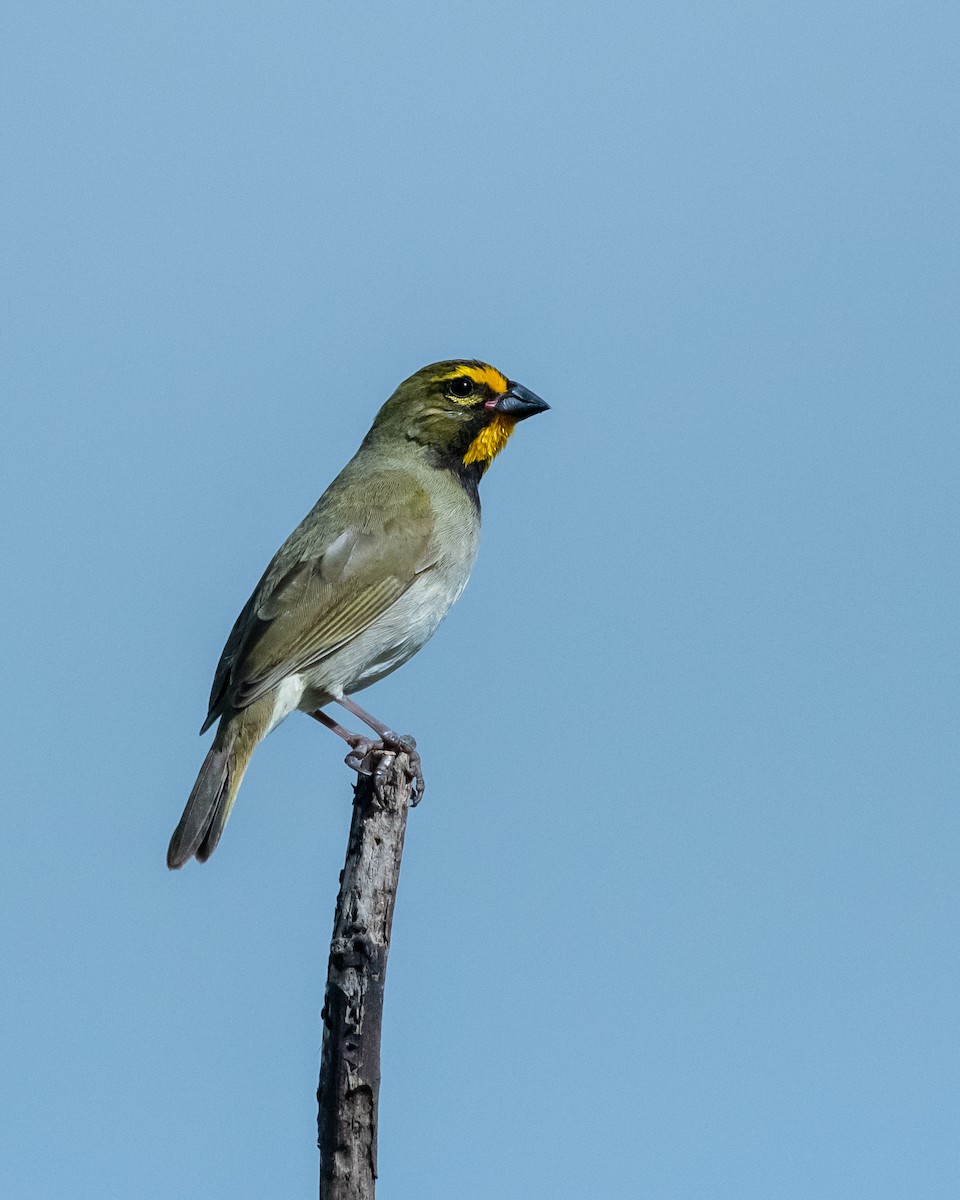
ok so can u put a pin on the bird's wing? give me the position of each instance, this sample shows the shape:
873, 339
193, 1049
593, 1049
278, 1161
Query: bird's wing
332, 578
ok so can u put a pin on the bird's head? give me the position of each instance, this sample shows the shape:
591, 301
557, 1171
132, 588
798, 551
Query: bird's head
461, 410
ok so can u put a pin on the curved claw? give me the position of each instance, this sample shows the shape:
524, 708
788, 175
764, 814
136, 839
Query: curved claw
361, 748
403, 743
416, 779
408, 746
385, 760
374, 757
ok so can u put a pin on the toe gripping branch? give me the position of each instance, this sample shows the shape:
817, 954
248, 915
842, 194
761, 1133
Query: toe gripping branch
376, 756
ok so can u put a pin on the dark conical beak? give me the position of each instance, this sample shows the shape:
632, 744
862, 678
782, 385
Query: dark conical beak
520, 402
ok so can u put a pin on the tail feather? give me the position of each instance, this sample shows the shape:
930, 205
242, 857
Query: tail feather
206, 800
217, 822
217, 784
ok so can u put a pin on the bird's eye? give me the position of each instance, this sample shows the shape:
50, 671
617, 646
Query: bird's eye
461, 387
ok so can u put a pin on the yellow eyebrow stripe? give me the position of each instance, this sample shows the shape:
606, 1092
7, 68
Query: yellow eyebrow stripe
481, 374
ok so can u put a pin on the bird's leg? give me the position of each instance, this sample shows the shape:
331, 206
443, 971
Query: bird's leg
384, 748
398, 742
361, 746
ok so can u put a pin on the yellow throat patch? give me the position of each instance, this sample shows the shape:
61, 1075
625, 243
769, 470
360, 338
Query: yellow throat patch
491, 440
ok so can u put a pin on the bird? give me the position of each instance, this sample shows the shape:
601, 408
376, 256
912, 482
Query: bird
360, 585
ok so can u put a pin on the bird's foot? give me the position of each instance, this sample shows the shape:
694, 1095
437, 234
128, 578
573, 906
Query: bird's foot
362, 751
375, 756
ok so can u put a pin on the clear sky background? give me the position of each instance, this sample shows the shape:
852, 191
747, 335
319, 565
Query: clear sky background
678, 915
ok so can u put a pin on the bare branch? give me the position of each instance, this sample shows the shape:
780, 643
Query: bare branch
353, 1002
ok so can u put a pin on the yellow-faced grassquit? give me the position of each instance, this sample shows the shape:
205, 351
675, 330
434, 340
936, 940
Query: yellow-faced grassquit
361, 583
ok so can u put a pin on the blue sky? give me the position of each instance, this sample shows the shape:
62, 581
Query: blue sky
678, 913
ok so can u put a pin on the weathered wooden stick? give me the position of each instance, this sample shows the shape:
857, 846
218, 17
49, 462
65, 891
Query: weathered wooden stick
353, 1002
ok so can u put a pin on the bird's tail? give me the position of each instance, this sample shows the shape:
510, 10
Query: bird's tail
217, 785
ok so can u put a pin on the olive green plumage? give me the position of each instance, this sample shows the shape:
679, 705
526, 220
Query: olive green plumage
364, 579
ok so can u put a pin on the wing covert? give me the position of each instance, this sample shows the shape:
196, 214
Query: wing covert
320, 592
